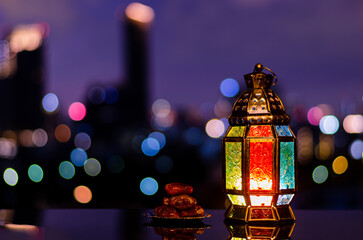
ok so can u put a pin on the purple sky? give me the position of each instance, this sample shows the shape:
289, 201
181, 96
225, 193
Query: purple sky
314, 47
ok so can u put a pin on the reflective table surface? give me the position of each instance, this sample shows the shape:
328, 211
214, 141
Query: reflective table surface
134, 224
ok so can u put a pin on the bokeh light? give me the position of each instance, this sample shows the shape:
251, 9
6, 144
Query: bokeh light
66, 170
92, 167
78, 157
8, 148
340, 165
11, 177
193, 136
215, 128
82, 140
229, 87
222, 109
77, 111
161, 108
82, 194
50, 102
164, 164
320, 174
149, 186
305, 145
39, 137
62, 133
356, 149
35, 173
160, 137
150, 146
324, 150
314, 115
26, 37
26, 138
139, 12
329, 124
115, 164
111, 95
353, 124
96, 95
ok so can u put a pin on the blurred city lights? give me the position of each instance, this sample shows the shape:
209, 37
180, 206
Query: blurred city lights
8, 148
77, 111
299, 113
164, 164
149, 186
26, 138
26, 37
229, 87
329, 124
340, 165
150, 146
320, 174
96, 95
326, 109
62, 133
66, 170
39, 137
325, 148
314, 115
139, 12
50, 102
82, 140
10, 177
78, 157
160, 137
111, 95
305, 145
356, 149
215, 128
222, 108
353, 124
35, 173
92, 167
193, 136
115, 164
82, 194
7, 60
161, 108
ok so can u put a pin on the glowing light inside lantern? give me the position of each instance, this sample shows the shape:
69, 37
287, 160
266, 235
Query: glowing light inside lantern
261, 166
258, 200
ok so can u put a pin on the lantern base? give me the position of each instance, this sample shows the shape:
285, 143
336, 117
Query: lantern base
263, 214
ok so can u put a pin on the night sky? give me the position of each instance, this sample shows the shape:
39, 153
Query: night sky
314, 47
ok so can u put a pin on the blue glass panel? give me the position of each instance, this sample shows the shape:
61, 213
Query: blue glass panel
287, 168
284, 199
283, 131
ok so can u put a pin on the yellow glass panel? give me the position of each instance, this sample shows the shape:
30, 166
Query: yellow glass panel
261, 200
236, 131
237, 200
233, 165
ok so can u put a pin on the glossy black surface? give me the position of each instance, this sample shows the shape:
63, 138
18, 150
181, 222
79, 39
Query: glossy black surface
133, 224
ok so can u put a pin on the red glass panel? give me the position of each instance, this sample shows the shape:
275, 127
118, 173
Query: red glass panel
261, 166
260, 131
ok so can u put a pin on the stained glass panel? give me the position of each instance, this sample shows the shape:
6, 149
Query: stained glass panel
261, 166
236, 131
284, 199
287, 168
260, 131
261, 200
233, 165
237, 200
283, 131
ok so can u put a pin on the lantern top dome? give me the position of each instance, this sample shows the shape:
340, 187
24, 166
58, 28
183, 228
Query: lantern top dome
259, 104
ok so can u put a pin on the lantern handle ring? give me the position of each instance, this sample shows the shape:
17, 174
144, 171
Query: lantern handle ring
259, 67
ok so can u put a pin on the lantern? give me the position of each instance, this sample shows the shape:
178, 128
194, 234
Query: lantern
259, 151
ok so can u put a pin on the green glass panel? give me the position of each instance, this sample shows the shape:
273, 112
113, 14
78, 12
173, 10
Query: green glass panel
287, 168
236, 131
237, 200
233, 165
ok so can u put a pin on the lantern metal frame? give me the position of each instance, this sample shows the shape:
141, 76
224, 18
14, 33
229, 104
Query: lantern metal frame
269, 115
